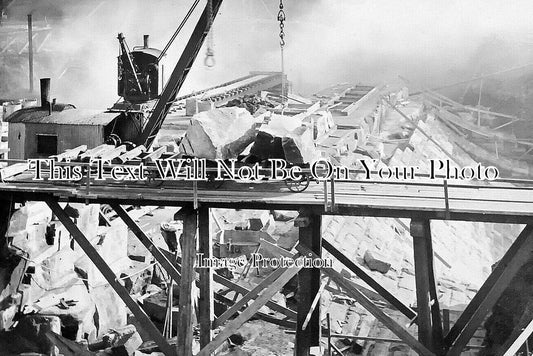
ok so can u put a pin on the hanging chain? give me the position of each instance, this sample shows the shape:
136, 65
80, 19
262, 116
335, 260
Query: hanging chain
210, 53
281, 19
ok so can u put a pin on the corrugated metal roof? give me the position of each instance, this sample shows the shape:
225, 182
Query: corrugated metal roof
35, 113
65, 117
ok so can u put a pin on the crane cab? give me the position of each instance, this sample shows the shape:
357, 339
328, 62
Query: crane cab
138, 72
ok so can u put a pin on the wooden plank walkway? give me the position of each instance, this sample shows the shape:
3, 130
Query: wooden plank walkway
469, 203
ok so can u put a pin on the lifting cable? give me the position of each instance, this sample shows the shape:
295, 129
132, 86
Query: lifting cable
209, 60
281, 19
183, 22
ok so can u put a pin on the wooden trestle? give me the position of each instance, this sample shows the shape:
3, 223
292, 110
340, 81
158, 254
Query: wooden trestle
432, 340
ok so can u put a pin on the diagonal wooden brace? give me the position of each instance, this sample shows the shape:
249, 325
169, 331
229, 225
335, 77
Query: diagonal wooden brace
111, 278
313, 305
169, 267
359, 272
248, 296
243, 290
518, 254
236, 323
403, 334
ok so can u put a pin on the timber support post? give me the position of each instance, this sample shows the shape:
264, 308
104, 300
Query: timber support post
186, 302
429, 318
205, 307
310, 226
6, 211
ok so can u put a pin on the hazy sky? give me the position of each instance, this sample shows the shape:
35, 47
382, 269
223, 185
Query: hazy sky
368, 41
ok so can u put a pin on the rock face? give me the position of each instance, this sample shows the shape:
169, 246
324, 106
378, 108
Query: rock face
60, 270
219, 134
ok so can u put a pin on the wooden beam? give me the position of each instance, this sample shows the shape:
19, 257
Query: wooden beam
376, 311
248, 296
45, 39
111, 278
517, 255
475, 78
422, 289
308, 285
205, 302
236, 323
155, 154
188, 255
336, 349
163, 260
66, 346
8, 45
445, 321
313, 305
13, 170
450, 156
523, 327
359, 272
517, 341
7, 208
103, 217
93, 152
243, 290
328, 321
130, 154
70, 154
286, 323
217, 296
108, 156
429, 320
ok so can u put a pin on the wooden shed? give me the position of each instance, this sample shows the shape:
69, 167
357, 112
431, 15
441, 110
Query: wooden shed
36, 132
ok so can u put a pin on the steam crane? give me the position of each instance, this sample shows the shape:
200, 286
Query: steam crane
143, 110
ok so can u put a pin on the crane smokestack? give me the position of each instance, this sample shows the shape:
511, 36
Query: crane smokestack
146, 41
45, 93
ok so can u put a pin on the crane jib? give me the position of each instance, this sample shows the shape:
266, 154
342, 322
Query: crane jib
179, 74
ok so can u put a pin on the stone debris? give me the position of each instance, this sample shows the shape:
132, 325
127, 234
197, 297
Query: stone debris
376, 262
122, 341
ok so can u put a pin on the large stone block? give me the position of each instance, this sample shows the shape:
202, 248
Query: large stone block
219, 134
285, 138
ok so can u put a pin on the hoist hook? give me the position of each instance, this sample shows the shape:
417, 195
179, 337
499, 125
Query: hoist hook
209, 60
